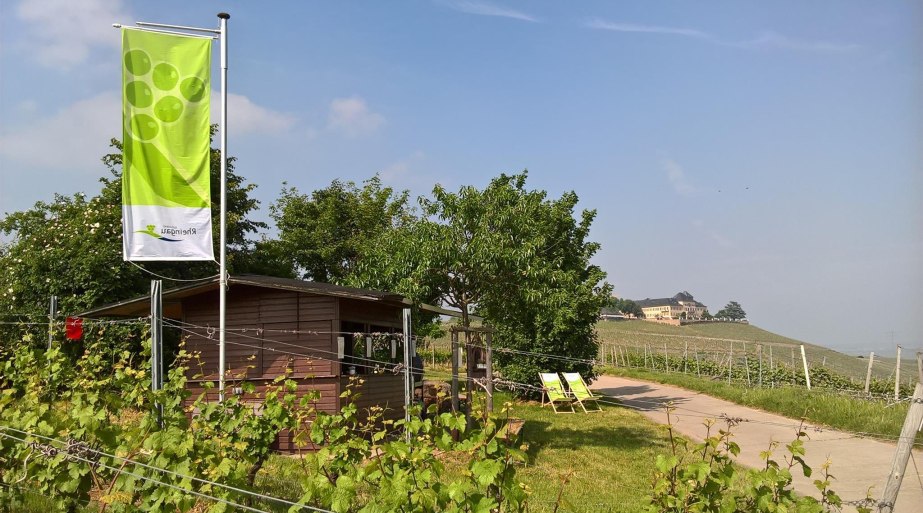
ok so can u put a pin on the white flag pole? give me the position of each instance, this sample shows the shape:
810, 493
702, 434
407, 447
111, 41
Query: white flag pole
222, 299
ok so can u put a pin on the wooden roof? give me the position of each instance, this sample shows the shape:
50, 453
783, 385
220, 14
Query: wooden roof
140, 305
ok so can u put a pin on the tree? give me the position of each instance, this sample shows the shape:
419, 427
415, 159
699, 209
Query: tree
627, 307
323, 234
71, 247
509, 254
732, 311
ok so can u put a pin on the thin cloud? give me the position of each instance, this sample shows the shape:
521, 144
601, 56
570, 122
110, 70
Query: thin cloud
80, 134
676, 175
400, 170
352, 117
765, 40
246, 117
488, 9
81, 131
63, 32
648, 29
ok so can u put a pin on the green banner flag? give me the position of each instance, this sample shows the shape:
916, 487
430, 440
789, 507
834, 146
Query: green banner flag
166, 204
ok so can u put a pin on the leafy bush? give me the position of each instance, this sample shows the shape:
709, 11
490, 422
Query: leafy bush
704, 478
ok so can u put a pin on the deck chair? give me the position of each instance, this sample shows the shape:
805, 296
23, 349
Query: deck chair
554, 390
580, 392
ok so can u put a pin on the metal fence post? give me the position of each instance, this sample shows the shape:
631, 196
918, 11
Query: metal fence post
897, 375
454, 371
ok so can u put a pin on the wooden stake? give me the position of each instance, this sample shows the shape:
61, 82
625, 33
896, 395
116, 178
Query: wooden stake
902, 454
897, 375
868, 373
804, 361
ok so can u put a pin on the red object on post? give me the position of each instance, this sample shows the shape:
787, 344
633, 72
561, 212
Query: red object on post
74, 328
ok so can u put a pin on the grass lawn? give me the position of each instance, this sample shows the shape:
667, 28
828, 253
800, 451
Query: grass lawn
833, 410
608, 458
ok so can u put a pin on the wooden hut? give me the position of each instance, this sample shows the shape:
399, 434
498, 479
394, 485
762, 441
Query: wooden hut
318, 333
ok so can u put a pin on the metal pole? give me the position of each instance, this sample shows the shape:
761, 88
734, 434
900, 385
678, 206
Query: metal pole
804, 361
490, 372
408, 376
157, 343
454, 371
868, 373
897, 375
52, 313
904, 446
222, 262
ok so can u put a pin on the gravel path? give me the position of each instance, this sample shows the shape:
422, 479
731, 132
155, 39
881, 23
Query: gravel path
857, 463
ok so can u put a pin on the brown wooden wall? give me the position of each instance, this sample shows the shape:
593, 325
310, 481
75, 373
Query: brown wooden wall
327, 402
385, 390
268, 331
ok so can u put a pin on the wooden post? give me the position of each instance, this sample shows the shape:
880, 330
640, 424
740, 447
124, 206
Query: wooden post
902, 454
868, 373
760, 349
698, 365
897, 375
824, 362
666, 365
454, 371
490, 372
804, 361
686, 354
919, 367
730, 361
772, 379
747, 366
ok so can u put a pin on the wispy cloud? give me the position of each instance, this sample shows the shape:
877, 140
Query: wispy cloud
63, 32
649, 29
81, 131
765, 40
676, 175
352, 117
399, 171
488, 9
716, 237
246, 117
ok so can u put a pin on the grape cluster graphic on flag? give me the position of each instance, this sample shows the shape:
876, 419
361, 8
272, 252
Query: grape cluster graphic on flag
162, 99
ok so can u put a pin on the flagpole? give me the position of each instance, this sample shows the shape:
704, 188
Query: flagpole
222, 286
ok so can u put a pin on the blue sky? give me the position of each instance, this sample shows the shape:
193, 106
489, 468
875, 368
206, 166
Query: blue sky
764, 152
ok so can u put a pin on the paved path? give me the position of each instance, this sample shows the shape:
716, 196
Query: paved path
857, 463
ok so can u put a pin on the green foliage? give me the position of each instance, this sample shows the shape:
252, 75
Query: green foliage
107, 443
72, 247
324, 234
732, 311
510, 254
627, 307
703, 478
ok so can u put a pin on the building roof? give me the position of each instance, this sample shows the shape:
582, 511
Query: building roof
683, 296
140, 305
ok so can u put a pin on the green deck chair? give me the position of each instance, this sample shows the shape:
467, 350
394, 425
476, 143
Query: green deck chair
554, 390
580, 392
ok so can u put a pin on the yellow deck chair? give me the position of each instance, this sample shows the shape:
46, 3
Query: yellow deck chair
554, 390
580, 392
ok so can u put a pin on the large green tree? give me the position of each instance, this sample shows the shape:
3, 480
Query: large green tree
324, 234
507, 253
71, 247
732, 311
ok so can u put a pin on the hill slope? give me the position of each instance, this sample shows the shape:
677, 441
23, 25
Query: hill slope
726, 338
